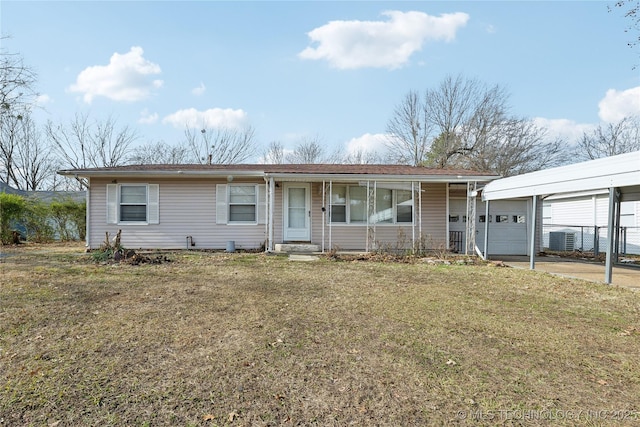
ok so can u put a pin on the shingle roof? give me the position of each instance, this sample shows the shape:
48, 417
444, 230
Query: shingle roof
260, 169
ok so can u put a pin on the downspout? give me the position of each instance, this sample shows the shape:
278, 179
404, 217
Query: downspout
486, 231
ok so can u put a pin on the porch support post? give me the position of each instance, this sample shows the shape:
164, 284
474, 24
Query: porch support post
419, 212
611, 225
413, 222
534, 220
485, 250
87, 231
324, 211
330, 213
366, 244
270, 203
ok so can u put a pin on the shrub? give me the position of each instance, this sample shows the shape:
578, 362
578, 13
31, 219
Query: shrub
69, 218
12, 208
36, 221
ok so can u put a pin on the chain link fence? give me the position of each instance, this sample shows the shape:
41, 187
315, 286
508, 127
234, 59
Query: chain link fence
558, 237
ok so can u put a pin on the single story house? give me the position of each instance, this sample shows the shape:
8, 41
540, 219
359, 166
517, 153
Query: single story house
330, 206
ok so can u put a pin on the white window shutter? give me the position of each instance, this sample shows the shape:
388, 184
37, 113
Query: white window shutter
221, 204
153, 204
112, 203
262, 204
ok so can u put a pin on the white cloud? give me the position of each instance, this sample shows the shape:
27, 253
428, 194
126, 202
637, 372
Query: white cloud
565, 129
147, 118
368, 143
44, 99
197, 91
211, 118
617, 105
126, 78
382, 44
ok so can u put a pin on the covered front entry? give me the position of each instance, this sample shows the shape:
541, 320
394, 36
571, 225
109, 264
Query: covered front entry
297, 212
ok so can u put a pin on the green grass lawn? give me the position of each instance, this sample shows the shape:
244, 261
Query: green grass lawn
250, 339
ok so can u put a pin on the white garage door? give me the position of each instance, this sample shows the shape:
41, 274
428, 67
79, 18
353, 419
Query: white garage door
508, 223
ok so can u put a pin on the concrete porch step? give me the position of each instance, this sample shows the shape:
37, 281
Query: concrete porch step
296, 248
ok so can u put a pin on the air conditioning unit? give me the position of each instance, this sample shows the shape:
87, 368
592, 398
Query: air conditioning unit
562, 241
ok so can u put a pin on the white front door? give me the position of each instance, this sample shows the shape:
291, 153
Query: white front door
297, 212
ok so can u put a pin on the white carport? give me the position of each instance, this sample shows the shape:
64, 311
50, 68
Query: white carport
620, 175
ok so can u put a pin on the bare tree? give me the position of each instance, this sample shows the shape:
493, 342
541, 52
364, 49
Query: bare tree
631, 11
157, 153
223, 146
362, 157
25, 160
464, 112
310, 150
83, 144
274, 154
411, 130
446, 122
17, 83
465, 123
515, 147
33, 163
610, 139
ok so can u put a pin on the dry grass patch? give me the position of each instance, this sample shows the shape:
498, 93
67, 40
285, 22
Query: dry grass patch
251, 339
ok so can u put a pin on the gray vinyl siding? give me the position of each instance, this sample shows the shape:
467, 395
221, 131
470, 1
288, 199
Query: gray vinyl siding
434, 215
187, 208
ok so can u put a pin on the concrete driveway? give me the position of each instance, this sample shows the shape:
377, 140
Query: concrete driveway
625, 276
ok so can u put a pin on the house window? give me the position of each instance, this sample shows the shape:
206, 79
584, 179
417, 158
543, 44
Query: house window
404, 206
483, 218
349, 205
519, 219
133, 203
242, 203
339, 203
357, 204
502, 218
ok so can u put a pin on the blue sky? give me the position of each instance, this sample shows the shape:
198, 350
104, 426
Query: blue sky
318, 69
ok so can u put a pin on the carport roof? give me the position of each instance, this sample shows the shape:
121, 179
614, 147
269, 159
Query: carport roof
621, 171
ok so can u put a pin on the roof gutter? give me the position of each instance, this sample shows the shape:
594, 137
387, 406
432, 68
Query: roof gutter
282, 176
378, 177
157, 174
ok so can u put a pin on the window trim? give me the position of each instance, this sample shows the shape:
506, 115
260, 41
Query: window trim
255, 203
114, 203
347, 205
222, 209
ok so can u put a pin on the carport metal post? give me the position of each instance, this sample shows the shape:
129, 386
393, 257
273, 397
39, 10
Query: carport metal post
611, 225
532, 249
